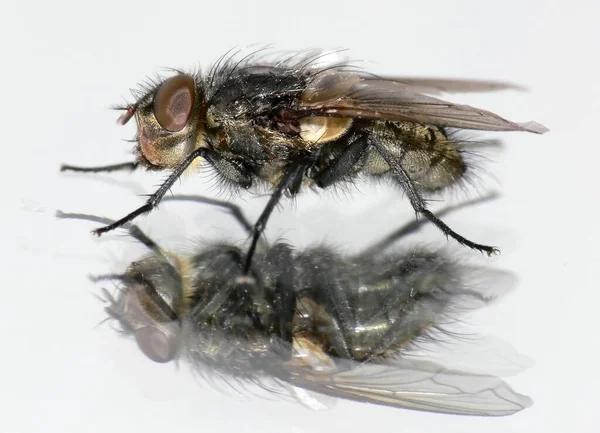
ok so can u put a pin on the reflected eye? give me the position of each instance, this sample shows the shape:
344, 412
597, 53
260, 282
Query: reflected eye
173, 102
155, 344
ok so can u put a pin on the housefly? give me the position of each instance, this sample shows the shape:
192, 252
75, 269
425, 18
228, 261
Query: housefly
291, 124
338, 325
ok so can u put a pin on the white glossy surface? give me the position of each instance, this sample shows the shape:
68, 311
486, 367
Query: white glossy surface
64, 63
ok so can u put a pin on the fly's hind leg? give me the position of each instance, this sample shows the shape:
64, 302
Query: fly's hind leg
420, 205
415, 225
344, 163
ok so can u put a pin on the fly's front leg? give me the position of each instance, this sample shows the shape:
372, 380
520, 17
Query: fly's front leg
155, 198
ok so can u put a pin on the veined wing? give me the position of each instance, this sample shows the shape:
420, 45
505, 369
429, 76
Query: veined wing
417, 385
451, 85
344, 94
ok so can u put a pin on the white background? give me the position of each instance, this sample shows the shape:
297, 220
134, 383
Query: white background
64, 63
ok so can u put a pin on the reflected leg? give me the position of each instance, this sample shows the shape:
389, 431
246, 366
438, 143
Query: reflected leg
133, 230
234, 210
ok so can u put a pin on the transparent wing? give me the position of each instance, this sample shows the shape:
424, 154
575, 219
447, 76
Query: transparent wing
481, 354
345, 94
417, 385
451, 85
312, 400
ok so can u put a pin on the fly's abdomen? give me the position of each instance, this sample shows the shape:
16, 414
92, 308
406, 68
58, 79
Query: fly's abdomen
428, 155
390, 304
388, 316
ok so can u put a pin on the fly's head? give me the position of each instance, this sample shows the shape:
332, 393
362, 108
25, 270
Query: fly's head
149, 307
170, 121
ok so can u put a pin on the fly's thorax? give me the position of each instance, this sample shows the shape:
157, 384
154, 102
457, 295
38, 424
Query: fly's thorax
427, 153
270, 103
224, 296
254, 140
247, 152
170, 122
215, 267
223, 350
229, 326
235, 136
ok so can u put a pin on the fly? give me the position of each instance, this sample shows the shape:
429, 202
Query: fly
316, 319
291, 125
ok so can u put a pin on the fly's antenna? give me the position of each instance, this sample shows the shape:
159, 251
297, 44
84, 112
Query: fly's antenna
127, 115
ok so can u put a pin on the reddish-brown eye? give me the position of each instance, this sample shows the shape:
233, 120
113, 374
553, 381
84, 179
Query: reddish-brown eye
173, 102
155, 344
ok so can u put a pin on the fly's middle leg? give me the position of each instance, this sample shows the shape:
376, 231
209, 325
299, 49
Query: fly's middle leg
295, 170
343, 164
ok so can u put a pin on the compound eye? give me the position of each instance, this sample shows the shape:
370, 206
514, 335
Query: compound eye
173, 102
155, 344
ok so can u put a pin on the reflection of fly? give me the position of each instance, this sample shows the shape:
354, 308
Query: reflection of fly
336, 325
290, 124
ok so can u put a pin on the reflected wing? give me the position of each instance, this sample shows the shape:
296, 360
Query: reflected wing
344, 94
417, 385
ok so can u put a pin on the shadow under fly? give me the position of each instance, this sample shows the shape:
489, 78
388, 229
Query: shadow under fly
342, 326
291, 124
